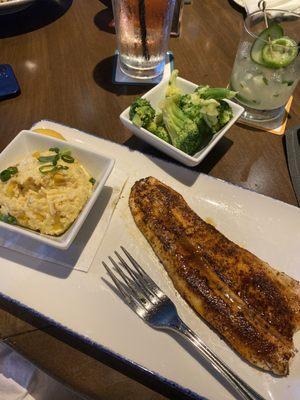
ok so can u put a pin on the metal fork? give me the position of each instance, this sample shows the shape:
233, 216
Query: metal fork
150, 303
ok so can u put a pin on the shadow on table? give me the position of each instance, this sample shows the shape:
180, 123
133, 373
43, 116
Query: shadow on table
173, 167
103, 76
104, 19
34, 17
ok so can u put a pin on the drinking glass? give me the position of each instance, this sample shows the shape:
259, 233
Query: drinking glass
143, 30
267, 65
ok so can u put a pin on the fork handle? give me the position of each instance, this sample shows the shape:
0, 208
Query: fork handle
245, 391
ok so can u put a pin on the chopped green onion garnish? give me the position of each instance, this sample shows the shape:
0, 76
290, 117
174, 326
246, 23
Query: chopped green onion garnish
12, 170
55, 149
5, 175
67, 158
61, 167
53, 159
44, 169
65, 152
56, 159
93, 181
9, 219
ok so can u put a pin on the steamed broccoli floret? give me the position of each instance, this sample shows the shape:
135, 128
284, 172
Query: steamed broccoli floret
159, 119
192, 106
201, 89
210, 107
212, 122
172, 89
183, 131
203, 105
203, 112
141, 112
162, 133
159, 130
225, 113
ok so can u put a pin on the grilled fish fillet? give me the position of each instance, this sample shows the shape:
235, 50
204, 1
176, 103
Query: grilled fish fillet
253, 306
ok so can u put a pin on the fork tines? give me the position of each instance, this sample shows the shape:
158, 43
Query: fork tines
135, 284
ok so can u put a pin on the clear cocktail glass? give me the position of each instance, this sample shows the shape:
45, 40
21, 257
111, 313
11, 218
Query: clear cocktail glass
267, 65
143, 31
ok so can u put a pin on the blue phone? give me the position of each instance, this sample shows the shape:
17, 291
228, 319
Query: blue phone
9, 86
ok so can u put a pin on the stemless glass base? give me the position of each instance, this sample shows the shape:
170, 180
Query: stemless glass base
142, 73
250, 114
143, 31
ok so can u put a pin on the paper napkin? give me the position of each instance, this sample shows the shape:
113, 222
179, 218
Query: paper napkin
82, 251
21, 380
290, 5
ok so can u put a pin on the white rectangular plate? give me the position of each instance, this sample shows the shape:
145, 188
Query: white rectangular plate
90, 308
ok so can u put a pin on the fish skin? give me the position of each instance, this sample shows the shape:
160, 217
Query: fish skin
255, 308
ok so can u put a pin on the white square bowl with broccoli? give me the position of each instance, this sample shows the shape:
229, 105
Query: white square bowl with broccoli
182, 119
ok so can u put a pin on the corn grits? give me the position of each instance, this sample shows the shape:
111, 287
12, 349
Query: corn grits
45, 202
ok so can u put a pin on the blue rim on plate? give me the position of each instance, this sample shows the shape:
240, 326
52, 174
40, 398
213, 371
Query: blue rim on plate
189, 394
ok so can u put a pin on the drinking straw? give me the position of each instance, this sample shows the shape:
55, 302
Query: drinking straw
143, 28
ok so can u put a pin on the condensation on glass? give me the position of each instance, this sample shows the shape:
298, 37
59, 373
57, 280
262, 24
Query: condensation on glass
143, 30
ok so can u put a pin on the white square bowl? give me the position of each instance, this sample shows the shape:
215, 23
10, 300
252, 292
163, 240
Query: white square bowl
99, 166
155, 96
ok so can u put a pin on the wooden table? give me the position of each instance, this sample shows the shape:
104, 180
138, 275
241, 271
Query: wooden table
62, 54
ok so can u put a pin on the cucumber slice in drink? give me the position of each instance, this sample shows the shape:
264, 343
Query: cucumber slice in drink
280, 52
274, 31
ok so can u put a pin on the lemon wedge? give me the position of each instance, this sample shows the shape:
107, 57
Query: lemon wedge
49, 132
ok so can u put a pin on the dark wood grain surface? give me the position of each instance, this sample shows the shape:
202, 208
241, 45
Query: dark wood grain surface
62, 55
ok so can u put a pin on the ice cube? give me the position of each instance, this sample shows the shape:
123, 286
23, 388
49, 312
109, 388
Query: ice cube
245, 49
